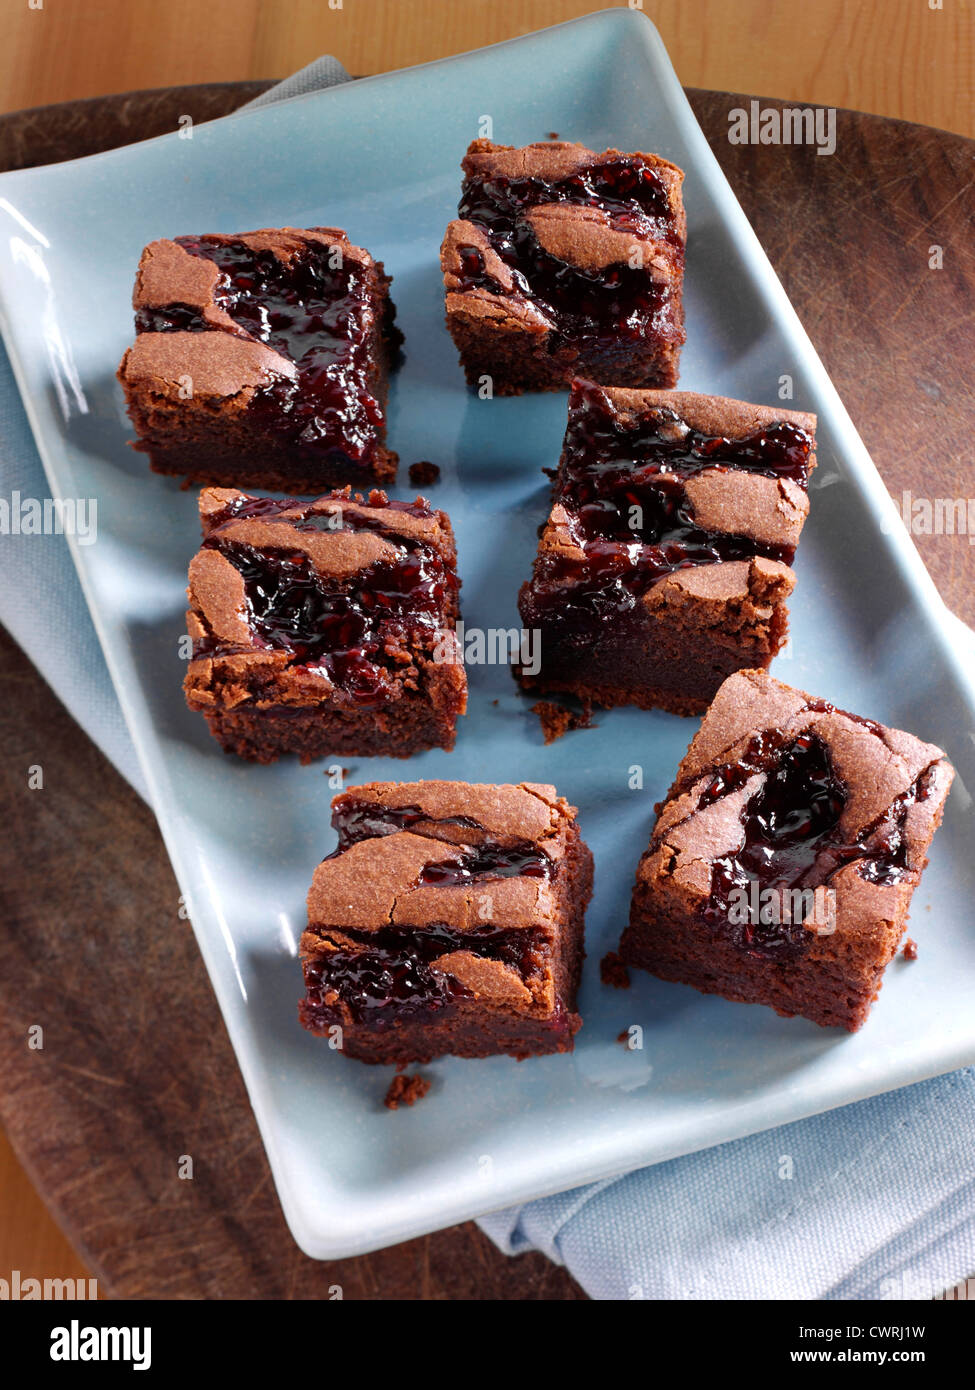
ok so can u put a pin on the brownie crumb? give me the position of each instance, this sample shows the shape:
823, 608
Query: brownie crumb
406, 1090
423, 473
910, 949
557, 720
553, 135
613, 972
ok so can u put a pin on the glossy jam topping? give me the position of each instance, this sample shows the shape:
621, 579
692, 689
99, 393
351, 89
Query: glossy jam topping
622, 484
487, 859
175, 318
366, 820
763, 894
386, 974
391, 978
312, 516
599, 308
350, 628
344, 629
319, 310
628, 189
887, 859
347, 512
789, 827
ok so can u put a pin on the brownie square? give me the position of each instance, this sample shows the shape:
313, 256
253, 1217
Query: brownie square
784, 858
325, 627
448, 920
563, 262
666, 560
262, 359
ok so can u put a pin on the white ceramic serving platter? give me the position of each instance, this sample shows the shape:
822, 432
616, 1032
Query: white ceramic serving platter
380, 158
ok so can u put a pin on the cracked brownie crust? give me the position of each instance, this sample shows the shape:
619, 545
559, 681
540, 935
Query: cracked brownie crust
563, 261
665, 563
262, 359
784, 858
448, 920
324, 627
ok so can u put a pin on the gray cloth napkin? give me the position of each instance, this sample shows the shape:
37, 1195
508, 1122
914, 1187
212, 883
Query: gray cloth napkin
876, 1200
322, 73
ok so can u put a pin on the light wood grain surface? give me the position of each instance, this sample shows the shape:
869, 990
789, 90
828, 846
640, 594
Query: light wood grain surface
30, 1241
906, 58
900, 58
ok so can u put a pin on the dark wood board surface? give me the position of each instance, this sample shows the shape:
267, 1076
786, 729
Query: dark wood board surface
137, 1069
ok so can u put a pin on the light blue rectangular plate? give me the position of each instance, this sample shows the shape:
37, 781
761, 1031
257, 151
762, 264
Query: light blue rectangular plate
380, 158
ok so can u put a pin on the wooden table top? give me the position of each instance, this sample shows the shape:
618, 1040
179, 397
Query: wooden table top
910, 59
137, 1068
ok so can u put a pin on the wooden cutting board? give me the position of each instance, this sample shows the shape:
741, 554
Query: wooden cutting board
137, 1069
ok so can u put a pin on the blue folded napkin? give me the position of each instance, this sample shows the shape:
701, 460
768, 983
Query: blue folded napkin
875, 1200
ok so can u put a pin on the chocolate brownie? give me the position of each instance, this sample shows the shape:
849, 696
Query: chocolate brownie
665, 563
448, 920
325, 627
565, 262
782, 864
262, 359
